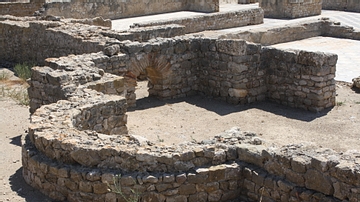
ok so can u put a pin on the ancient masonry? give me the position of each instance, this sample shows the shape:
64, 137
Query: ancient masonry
78, 148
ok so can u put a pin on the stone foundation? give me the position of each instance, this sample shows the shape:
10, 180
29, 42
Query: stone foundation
290, 8
20, 8
235, 166
341, 5
78, 143
213, 21
126, 8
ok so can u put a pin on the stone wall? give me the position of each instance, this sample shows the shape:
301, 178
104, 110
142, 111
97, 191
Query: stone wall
233, 166
126, 8
36, 40
20, 8
61, 38
288, 33
290, 8
78, 142
181, 66
341, 5
300, 79
303, 30
214, 21
230, 70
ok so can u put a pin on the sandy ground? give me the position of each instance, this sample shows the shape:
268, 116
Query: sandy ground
199, 118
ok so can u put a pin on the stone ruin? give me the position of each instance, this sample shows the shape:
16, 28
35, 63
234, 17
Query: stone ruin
78, 148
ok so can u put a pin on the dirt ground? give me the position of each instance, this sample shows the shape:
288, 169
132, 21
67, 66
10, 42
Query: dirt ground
200, 118
194, 118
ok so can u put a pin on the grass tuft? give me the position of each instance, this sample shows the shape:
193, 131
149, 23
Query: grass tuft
19, 94
23, 70
4, 76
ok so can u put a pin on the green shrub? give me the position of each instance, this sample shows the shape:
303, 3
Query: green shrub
23, 70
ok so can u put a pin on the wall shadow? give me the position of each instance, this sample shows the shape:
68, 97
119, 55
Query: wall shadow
16, 140
30, 194
222, 108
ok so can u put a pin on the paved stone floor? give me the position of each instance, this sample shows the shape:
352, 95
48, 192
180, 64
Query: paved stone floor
348, 65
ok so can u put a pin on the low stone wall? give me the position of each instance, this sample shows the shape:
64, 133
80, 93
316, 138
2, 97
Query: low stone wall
214, 21
126, 8
300, 79
20, 8
23, 44
61, 78
303, 30
288, 33
230, 70
290, 8
346, 32
341, 5
233, 166
181, 66
61, 38
237, 1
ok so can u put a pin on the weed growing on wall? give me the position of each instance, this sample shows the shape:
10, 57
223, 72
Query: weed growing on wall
135, 195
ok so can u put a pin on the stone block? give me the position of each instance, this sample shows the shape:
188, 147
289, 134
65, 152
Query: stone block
179, 198
196, 178
187, 189
240, 93
318, 181
85, 186
232, 47
216, 173
198, 197
215, 195
151, 196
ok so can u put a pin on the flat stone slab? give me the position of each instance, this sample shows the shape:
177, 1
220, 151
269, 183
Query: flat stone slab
348, 52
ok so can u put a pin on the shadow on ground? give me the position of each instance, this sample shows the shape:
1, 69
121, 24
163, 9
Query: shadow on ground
222, 108
16, 141
30, 194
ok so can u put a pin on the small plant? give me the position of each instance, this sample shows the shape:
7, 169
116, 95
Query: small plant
23, 70
4, 76
20, 95
339, 104
159, 139
135, 197
357, 103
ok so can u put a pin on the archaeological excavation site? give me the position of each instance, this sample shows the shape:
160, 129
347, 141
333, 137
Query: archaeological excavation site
91, 54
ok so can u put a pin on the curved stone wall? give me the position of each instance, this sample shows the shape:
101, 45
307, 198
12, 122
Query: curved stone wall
78, 143
78, 149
